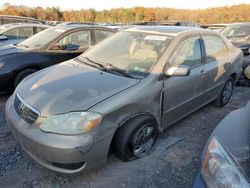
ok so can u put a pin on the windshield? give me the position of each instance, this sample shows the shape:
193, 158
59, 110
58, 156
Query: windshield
236, 31
133, 52
42, 38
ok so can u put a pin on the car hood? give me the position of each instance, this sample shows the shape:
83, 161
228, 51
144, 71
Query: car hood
6, 42
10, 49
70, 86
236, 138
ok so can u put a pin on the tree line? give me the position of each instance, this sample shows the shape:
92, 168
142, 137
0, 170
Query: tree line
226, 14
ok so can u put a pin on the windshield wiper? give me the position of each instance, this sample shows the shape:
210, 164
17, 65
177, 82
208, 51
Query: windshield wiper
108, 65
105, 67
92, 63
99, 64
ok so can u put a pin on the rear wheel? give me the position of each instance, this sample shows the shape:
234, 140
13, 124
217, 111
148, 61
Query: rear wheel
225, 94
135, 139
23, 74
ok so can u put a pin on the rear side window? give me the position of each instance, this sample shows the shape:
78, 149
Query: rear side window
215, 48
101, 34
187, 53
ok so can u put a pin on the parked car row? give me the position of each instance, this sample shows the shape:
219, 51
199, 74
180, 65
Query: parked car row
119, 94
237, 33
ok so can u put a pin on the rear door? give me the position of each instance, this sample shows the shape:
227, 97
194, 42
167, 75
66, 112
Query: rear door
217, 66
182, 95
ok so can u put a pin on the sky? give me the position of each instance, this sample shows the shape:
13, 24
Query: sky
108, 4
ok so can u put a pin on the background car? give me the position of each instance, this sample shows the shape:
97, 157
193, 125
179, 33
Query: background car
76, 23
53, 23
215, 27
6, 19
16, 33
225, 159
118, 94
49, 47
239, 35
166, 23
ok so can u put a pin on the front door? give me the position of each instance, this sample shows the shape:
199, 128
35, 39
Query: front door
69, 47
183, 95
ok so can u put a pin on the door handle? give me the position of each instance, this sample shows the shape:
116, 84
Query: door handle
202, 71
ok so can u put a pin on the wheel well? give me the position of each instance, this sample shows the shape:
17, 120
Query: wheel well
24, 68
29, 67
124, 121
20, 70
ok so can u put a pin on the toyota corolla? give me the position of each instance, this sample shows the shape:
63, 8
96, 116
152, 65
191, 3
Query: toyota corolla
120, 94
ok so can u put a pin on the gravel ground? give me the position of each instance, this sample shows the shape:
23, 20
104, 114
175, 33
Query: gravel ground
173, 161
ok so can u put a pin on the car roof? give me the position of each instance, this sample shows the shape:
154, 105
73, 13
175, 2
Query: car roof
22, 18
79, 26
6, 27
23, 24
165, 30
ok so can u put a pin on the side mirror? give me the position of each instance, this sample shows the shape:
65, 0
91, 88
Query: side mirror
72, 47
3, 37
177, 71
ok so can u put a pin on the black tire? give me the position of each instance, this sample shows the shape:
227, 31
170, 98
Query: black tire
23, 74
222, 100
125, 139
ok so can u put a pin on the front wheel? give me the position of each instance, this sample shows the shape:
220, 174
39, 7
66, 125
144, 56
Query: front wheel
225, 94
136, 138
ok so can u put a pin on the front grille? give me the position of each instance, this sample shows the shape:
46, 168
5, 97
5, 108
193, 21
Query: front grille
26, 113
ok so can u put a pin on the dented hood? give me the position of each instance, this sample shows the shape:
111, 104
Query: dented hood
70, 86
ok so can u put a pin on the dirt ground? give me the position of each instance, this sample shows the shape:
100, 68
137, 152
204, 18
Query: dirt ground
173, 161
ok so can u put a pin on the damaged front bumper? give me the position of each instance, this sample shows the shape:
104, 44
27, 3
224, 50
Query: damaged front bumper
61, 153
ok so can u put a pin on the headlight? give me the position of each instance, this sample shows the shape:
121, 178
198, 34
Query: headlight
71, 123
219, 170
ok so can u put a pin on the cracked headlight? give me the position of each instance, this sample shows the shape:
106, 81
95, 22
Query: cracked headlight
72, 123
219, 170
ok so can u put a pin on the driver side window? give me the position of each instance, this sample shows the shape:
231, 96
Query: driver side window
187, 53
74, 41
